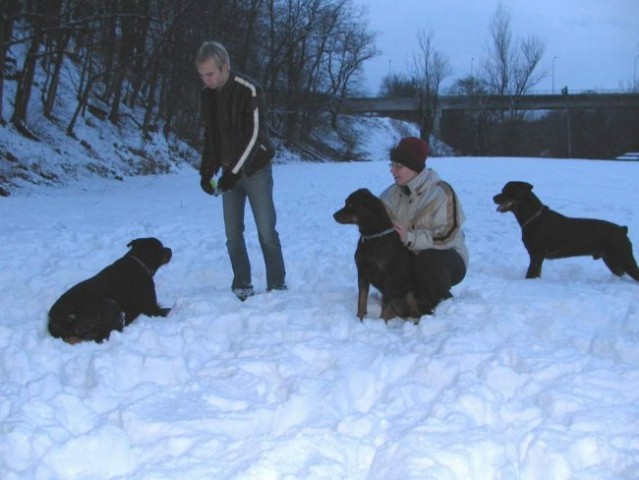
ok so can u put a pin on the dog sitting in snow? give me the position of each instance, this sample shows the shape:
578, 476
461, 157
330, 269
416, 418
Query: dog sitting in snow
113, 298
380, 257
547, 234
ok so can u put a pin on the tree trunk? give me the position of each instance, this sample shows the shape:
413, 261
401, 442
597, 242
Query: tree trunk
25, 83
118, 82
7, 17
52, 91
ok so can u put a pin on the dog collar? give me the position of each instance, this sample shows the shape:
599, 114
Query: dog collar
533, 217
363, 238
149, 271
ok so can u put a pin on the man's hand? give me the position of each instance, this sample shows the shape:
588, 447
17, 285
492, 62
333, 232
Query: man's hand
227, 181
205, 183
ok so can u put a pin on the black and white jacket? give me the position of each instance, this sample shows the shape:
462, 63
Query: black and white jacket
236, 135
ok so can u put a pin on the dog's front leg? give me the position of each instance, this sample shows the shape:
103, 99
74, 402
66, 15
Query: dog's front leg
160, 312
406, 307
388, 309
534, 269
362, 298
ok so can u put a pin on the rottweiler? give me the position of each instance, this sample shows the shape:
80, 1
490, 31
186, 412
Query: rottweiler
548, 235
113, 298
380, 257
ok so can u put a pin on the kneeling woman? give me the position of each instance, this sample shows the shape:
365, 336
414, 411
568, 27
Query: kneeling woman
428, 218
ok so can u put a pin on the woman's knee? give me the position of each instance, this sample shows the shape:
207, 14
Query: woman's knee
440, 267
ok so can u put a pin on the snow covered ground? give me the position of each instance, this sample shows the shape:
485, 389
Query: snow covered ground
511, 379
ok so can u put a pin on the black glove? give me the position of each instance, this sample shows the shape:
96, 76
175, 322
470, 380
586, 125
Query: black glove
227, 181
205, 183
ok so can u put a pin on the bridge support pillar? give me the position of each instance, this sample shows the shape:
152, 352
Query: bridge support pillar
437, 122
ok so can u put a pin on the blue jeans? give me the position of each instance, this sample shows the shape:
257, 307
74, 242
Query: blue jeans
258, 188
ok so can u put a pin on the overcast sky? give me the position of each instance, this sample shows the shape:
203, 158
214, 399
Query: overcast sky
594, 43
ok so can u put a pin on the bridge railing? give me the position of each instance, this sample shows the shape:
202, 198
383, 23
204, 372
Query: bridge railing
497, 102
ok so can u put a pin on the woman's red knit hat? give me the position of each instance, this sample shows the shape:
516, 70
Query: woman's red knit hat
411, 152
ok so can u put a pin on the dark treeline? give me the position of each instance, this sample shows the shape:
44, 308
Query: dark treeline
568, 133
139, 54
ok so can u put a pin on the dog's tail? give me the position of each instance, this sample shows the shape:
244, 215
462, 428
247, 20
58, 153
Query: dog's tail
628, 262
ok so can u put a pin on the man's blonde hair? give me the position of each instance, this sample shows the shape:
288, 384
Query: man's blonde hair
215, 51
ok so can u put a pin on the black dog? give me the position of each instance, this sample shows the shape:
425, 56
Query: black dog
380, 257
113, 298
547, 234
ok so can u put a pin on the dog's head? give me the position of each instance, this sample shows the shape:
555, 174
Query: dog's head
150, 252
365, 210
511, 196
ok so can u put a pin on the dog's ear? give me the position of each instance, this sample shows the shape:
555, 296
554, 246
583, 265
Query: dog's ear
134, 242
146, 242
518, 185
363, 193
375, 211
527, 187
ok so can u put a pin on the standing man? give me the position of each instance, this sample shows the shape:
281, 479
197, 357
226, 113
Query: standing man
428, 218
236, 140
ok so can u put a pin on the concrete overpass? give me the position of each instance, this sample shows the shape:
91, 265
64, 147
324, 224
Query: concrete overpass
496, 102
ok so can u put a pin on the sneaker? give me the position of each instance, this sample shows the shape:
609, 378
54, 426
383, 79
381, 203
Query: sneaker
279, 288
244, 293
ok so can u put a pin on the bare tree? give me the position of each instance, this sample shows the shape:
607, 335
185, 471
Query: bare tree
525, 70
290, 27
429, 68
511, 68
350, 47
130, 29
35, 16
56, 42
8, 14
314, 49
500, 59
473, 124
396, 85
135, 57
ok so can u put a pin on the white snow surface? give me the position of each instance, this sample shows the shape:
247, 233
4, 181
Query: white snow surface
510, 379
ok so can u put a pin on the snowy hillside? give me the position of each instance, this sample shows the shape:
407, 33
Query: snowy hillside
96, 148
99, 148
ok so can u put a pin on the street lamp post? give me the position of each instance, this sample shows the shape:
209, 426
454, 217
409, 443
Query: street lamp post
635, 75
564, 92
472, 61
553, 74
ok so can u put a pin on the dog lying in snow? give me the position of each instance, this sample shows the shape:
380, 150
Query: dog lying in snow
113, 298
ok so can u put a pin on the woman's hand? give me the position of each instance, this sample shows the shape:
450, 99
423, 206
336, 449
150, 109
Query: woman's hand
401, 231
